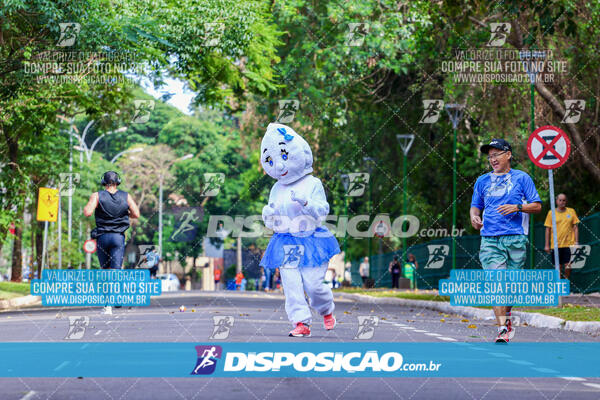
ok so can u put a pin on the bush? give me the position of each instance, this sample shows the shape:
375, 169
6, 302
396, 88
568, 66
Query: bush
230, 273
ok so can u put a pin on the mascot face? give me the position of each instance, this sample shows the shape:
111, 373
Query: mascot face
285, 155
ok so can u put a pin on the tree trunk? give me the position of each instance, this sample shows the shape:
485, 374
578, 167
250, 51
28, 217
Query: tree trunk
17, 256
39, 246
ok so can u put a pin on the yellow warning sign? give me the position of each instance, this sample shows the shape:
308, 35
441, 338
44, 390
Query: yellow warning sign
47, 205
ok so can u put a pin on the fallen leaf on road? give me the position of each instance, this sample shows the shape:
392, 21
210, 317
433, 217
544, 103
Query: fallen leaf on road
464, 320
472, 326
442, 320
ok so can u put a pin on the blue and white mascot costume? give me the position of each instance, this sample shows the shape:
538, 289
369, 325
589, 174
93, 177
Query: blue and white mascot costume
301, 246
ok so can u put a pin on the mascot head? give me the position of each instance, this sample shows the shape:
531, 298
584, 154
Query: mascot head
285, 155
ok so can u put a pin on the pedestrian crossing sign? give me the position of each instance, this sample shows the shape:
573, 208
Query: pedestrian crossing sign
47, 205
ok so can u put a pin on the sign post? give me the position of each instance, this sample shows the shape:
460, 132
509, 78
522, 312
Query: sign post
47, 211
549, 147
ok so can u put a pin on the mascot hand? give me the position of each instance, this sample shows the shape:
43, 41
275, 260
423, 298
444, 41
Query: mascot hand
299, 198
267, 214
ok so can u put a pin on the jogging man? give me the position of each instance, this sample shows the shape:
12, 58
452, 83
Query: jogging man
112, 209
506, 196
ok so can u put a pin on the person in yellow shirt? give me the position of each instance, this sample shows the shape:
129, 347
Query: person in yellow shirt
566, 231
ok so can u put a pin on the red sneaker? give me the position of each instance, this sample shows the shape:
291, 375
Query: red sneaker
329, 321
502, 335
300, 330
510, 329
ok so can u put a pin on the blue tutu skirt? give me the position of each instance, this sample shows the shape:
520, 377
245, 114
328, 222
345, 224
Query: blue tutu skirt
300, 250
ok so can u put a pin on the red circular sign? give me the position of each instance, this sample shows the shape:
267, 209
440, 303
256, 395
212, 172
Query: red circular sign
89, 246
548, 147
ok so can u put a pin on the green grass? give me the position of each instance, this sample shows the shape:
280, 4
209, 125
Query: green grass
391, 293
572, 312
569, 312
9, 295
9, 290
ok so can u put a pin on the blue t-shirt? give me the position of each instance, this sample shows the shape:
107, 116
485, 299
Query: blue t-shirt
491, 191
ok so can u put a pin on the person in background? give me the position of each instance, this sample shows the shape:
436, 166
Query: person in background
277, 280
239, 277
363, 270
152, 259
410, 267
567, 233
111, 208
266, 277
395, 269
217, 275
348, 272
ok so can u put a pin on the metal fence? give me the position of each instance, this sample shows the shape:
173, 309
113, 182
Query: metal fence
435, 259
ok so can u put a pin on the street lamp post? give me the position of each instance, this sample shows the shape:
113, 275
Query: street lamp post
346, 184
531, 67
136, 150
369, 161
455, 112
406, 142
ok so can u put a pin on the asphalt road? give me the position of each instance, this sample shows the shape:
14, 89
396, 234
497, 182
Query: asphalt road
261, 318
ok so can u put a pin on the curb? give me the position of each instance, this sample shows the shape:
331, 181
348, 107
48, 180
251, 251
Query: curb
19, 302
532, 319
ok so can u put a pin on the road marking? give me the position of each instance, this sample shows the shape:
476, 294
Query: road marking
29, 395
594, 385
448, 339
420, 331
432, 334
97, 333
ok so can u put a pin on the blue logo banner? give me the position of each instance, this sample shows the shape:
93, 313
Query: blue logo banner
306, 359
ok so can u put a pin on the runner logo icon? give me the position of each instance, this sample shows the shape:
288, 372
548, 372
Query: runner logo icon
207, 359
437, 255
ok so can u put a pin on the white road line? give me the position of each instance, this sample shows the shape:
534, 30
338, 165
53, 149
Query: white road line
594, 385
97, 333
448, 339
432, 334
573, 378
29, 395
420, 331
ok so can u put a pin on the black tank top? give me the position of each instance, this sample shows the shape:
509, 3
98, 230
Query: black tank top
112, 215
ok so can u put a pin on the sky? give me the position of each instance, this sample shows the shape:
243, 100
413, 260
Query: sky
181, 98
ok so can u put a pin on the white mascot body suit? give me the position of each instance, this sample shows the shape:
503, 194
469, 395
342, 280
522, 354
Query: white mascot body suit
301, 246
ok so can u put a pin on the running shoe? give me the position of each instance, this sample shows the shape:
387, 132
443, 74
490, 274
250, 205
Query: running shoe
329, 321
502, 335
509, 328
300, 330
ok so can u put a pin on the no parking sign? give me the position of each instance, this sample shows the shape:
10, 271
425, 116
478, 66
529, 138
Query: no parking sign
548, 147
89, 246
